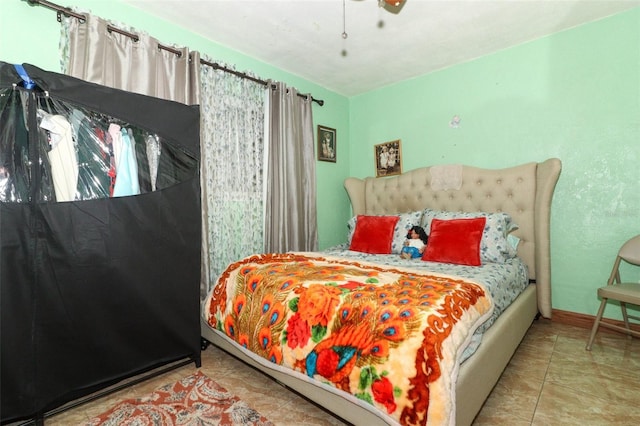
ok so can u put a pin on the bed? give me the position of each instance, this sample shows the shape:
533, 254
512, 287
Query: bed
522, 193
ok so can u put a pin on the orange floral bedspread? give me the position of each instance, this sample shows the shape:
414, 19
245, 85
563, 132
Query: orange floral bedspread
388, 336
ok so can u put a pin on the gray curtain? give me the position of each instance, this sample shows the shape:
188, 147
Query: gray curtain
248, 206
92, 52
290, 205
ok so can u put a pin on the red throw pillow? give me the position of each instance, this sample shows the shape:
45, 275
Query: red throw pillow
455, 241
373, 234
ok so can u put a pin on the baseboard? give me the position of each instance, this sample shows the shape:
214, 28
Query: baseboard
586, 321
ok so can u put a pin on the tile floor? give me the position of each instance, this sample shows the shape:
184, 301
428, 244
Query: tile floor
551, 380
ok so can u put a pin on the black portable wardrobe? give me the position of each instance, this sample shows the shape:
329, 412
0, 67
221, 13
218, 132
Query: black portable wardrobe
100, 288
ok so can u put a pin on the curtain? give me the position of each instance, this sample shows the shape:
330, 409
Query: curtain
290, 211
92, 52
232, 121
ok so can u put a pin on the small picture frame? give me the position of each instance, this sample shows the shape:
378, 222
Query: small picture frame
327, 144
388, 158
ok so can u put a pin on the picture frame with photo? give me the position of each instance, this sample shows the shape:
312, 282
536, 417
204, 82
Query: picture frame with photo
388, 158
327, 144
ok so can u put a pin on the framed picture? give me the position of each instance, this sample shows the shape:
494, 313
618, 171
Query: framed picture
388, 158
326, 144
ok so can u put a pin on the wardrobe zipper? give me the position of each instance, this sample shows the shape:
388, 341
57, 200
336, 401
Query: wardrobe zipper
35, 227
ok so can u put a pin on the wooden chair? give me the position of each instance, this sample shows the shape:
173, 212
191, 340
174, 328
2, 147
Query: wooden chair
623, 292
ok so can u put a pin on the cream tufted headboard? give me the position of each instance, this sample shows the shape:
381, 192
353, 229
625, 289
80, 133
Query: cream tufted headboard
524, 191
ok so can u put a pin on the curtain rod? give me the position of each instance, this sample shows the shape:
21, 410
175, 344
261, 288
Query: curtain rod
68, 12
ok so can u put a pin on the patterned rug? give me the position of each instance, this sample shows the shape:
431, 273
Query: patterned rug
194, 400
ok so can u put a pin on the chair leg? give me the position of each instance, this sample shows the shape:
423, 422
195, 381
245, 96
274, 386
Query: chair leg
596, 323
625, 317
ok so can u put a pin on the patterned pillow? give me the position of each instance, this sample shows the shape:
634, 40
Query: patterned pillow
494, 246
405, 222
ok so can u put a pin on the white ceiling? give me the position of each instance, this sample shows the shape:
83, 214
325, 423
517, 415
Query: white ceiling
304, 37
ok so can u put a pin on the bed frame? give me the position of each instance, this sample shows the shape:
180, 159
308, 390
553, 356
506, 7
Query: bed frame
525, 192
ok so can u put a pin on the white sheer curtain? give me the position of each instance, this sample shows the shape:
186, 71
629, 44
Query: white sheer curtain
232, 121
290, 215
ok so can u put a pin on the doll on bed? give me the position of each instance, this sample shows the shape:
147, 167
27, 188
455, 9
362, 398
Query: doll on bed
415, 243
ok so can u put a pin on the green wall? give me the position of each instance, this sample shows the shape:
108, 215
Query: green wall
30, 34
574, 95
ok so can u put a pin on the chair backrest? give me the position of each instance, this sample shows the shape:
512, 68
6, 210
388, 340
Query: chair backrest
630, 251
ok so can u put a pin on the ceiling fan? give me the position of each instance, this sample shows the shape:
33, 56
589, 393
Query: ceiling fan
393, 6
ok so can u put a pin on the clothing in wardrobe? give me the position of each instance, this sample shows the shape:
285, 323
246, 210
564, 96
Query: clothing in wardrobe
62, 156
